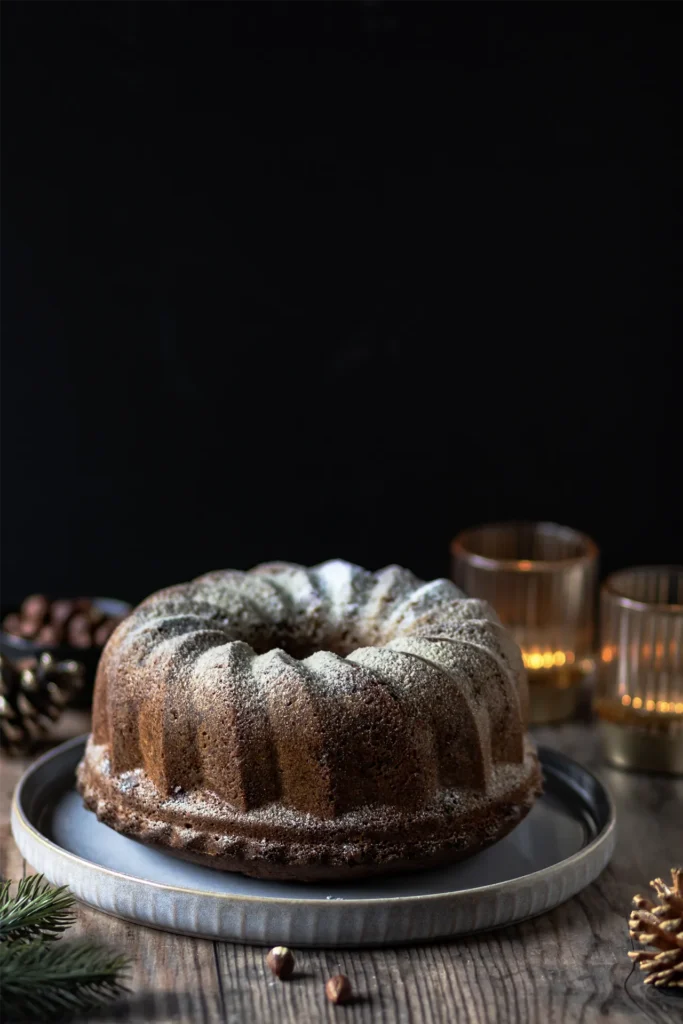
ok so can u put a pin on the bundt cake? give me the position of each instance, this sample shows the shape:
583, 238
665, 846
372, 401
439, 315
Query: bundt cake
309, 724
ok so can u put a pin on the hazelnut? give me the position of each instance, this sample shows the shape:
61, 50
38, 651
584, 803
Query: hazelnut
12, 624
78, 631
34, 608
104, 631
49, 636
281, 962
338, 989
95, 615
28, 628
81, 640
61, 611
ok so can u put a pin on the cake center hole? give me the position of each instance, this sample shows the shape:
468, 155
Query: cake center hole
302, 647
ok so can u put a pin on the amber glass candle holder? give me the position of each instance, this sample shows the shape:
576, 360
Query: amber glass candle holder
639, 698
541, 580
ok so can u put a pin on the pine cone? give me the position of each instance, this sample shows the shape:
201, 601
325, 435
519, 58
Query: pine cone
33, 697
660, 926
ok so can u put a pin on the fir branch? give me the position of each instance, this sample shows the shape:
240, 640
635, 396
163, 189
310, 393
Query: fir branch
35, 911
46, 981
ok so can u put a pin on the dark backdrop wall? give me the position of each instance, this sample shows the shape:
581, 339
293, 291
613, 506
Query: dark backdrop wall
302, 281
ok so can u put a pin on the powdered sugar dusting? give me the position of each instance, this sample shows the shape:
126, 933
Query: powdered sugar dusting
297, 706
334, 614
207, 811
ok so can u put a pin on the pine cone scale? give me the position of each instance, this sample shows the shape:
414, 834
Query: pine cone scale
660, 926
33, 698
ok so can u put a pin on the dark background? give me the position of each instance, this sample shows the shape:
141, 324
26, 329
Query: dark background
314, 280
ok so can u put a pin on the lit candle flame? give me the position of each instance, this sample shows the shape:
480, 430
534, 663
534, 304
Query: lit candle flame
664, 707
547, 659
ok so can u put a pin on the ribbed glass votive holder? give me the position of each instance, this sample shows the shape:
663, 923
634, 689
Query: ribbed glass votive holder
639, 698
541, 580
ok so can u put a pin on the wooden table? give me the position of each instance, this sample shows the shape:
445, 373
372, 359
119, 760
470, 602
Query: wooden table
567, 966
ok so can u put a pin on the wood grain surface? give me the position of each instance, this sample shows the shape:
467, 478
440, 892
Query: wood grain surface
566, 967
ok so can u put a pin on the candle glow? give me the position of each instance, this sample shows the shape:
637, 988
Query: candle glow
547, 659
664, 707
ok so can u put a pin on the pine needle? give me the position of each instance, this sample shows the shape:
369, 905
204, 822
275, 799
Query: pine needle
35, 911
44, 981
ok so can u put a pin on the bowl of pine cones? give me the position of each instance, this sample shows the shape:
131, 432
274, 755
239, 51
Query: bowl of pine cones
68, 629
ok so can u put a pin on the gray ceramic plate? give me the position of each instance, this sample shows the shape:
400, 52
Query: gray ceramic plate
561, 846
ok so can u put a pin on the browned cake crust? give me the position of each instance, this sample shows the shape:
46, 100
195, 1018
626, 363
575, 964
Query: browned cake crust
312, 724
283, 844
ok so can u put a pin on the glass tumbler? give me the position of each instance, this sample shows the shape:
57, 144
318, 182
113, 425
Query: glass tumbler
639, 698
541, 580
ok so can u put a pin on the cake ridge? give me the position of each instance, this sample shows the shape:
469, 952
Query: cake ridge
318, 692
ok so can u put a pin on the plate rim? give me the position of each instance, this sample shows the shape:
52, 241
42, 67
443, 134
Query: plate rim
604, 836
